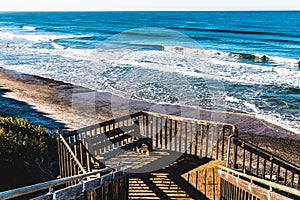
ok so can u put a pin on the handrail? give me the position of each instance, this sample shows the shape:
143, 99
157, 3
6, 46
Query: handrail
228, 149
241, 142
72, 153
262, 181
50, 184
105, 123
205, 122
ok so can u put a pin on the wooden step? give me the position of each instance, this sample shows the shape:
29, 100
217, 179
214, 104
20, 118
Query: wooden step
140, 190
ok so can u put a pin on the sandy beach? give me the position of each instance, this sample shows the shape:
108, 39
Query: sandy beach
57, 105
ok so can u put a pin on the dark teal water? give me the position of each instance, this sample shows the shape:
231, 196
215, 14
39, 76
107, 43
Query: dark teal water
234, 61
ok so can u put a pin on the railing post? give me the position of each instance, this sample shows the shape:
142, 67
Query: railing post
137, 127
235, 152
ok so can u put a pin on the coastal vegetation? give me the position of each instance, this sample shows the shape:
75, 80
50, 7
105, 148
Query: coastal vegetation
27, 154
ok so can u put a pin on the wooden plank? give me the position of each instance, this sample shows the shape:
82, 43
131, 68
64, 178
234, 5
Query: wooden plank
267, 155
191, 137
179, 118
186, 137
250, 162
285, 177
206, 140
201, 127
257, 165
180, 137
262, 181
292, 180
217, 146
278, 173
80, 189
251, 188
223, 142
110, 122
175, 135
212, 138
156, 132
196, 138
166, 133
161, 132
244, 159
147, 126
271, 170
151, 128
170, 133
264, 168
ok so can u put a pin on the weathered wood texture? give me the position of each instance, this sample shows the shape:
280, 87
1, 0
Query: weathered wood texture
256, 161
185, 135
205, 179
74, 158
236, 188
104, 140
78, 152
204, 139
109, 187
41, 188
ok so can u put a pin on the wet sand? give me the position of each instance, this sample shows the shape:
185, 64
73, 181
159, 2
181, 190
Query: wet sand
73, 107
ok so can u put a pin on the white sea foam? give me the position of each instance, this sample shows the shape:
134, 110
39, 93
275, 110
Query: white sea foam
282, 71
57, 46
272, 117
257, 74
276, 119
39, 37
193, 62
251, 106
285, 61
178, 60
83, 53
222, 56
275, 60
29, 28
76, 54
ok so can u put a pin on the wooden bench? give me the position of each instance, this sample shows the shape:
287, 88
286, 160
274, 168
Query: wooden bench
116, 141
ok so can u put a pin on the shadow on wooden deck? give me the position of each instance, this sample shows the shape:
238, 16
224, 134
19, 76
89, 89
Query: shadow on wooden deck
168, 182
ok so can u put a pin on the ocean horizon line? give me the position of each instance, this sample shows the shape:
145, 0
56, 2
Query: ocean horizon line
83, 11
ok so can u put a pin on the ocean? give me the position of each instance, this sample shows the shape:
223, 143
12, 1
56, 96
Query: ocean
247, 62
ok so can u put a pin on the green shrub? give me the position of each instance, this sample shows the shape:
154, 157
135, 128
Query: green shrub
27, 154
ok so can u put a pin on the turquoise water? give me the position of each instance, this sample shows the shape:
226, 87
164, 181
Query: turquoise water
236, 61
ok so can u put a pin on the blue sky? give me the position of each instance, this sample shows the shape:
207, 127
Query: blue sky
106, 5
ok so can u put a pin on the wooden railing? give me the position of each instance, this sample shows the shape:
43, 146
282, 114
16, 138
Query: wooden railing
204, 139
69, 165
205, 179
111, 135
185, 135
256, 161
78, 152
101, 184
237, 185
74, 158
194, 137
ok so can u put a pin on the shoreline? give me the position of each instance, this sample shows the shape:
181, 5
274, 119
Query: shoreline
75, 107
60, 100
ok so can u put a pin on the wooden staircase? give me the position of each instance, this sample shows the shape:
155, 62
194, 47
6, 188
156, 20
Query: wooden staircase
186, 162
158, 186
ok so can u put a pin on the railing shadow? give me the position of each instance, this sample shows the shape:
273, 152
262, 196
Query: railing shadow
168, 181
